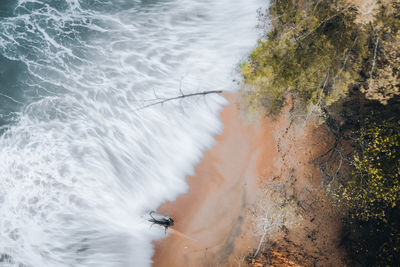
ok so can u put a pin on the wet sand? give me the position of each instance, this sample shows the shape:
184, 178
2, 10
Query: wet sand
212, 226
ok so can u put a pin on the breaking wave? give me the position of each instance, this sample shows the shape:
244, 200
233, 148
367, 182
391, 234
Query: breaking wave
81, 163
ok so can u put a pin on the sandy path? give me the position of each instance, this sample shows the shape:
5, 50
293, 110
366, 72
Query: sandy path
211, 222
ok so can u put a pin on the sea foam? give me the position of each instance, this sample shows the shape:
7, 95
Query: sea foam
81, 162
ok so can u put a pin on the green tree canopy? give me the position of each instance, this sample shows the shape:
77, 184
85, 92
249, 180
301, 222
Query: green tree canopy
319, 49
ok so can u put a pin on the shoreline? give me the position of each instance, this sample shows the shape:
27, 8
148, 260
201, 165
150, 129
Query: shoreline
212, 222
254, 168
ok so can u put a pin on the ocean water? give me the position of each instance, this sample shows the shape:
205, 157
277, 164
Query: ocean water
81, 163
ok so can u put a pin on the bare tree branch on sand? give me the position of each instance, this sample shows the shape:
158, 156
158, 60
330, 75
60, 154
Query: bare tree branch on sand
162, 100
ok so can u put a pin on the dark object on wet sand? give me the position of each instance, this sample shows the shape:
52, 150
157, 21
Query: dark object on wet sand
164, 221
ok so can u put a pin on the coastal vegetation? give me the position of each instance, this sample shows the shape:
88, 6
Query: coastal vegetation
372, 193
374, 184
320, 50
340, 60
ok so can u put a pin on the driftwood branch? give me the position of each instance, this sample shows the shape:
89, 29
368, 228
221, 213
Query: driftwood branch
164, 100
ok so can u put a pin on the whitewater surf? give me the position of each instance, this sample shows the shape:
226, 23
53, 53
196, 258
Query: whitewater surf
80, 162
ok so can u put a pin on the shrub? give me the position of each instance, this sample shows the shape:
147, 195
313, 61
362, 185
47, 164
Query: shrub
374, 186
319, 49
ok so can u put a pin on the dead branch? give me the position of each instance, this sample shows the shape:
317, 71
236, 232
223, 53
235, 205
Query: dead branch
373, 62
164, 100
274, 218
266, 227
336, 173
324, 21
332, 149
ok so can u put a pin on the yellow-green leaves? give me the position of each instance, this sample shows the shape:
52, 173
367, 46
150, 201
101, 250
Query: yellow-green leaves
374, 185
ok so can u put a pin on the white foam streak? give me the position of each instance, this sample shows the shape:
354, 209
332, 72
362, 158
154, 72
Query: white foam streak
82, 165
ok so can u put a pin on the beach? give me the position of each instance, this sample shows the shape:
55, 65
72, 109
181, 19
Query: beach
212, 219
237, 180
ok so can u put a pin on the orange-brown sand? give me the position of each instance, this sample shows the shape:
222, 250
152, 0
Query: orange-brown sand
212, 226
255, 164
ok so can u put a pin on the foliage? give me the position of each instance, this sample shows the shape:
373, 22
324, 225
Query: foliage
372, 193
374, 186
382, 65
319, 50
